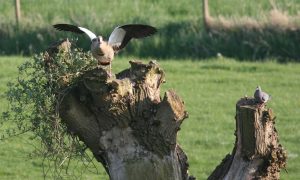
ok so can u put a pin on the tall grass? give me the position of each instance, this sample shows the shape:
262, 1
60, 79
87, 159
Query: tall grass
181, 32
273, 34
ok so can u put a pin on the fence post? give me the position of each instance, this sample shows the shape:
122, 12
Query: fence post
18, 11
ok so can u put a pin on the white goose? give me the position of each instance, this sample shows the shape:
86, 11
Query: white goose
104, 51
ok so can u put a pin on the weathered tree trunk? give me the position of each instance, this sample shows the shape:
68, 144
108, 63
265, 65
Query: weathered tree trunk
126, 124
257, 153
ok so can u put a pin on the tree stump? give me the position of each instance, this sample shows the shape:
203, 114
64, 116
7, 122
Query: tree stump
129, 128
257, 153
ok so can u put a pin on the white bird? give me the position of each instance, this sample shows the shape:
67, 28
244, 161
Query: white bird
104, 51
260, 96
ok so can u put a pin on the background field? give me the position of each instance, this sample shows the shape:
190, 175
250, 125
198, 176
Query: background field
181, 33
210, 87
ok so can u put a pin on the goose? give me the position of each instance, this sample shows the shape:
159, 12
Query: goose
260, 96
104, 51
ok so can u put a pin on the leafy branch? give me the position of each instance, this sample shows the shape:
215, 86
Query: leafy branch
34, 99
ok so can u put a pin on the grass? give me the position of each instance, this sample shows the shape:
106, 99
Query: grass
181, 33
210, 89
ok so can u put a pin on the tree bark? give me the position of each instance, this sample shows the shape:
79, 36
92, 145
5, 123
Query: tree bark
126, 124
257, 153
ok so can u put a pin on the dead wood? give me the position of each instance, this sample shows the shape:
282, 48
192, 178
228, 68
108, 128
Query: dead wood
129, 128
257, 153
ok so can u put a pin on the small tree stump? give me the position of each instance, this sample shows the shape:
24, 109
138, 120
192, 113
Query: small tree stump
126, 124
257, 153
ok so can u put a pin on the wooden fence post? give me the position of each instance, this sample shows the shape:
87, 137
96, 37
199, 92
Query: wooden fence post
18, 11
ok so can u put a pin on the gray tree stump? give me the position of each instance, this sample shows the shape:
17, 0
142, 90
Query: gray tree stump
257, 153
129, 128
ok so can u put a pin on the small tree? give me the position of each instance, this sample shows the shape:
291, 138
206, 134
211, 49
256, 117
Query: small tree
34, 101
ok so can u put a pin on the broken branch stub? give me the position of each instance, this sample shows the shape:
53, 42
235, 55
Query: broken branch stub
126, 124
257, 153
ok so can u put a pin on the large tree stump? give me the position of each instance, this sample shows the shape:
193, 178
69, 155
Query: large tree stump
257, 153
126, 124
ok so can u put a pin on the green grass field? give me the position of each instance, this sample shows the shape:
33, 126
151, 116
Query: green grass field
210, 89
160, 11
181, 31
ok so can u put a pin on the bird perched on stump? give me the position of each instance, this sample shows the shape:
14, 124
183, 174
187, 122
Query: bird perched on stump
104, 51
261, 97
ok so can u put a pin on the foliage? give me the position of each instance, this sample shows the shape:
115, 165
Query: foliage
34, 102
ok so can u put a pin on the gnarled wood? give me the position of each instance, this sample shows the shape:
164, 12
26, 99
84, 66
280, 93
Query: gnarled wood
126, 124
257, 153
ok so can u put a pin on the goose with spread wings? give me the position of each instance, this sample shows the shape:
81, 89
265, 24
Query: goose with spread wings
104, 51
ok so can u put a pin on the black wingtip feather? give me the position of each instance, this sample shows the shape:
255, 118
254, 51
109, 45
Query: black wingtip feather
67, 27
139, 30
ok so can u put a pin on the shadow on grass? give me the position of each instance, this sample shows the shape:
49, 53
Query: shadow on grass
175, 40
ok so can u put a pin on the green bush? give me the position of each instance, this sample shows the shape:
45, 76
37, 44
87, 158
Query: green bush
34, 101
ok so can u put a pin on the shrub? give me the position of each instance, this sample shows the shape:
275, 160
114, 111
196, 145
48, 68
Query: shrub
34, 102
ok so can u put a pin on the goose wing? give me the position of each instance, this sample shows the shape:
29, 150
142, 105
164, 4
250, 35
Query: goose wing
75, 29
121, 35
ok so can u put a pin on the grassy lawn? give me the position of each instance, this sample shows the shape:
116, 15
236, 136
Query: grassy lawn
180, 24
120, 11
210, 89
